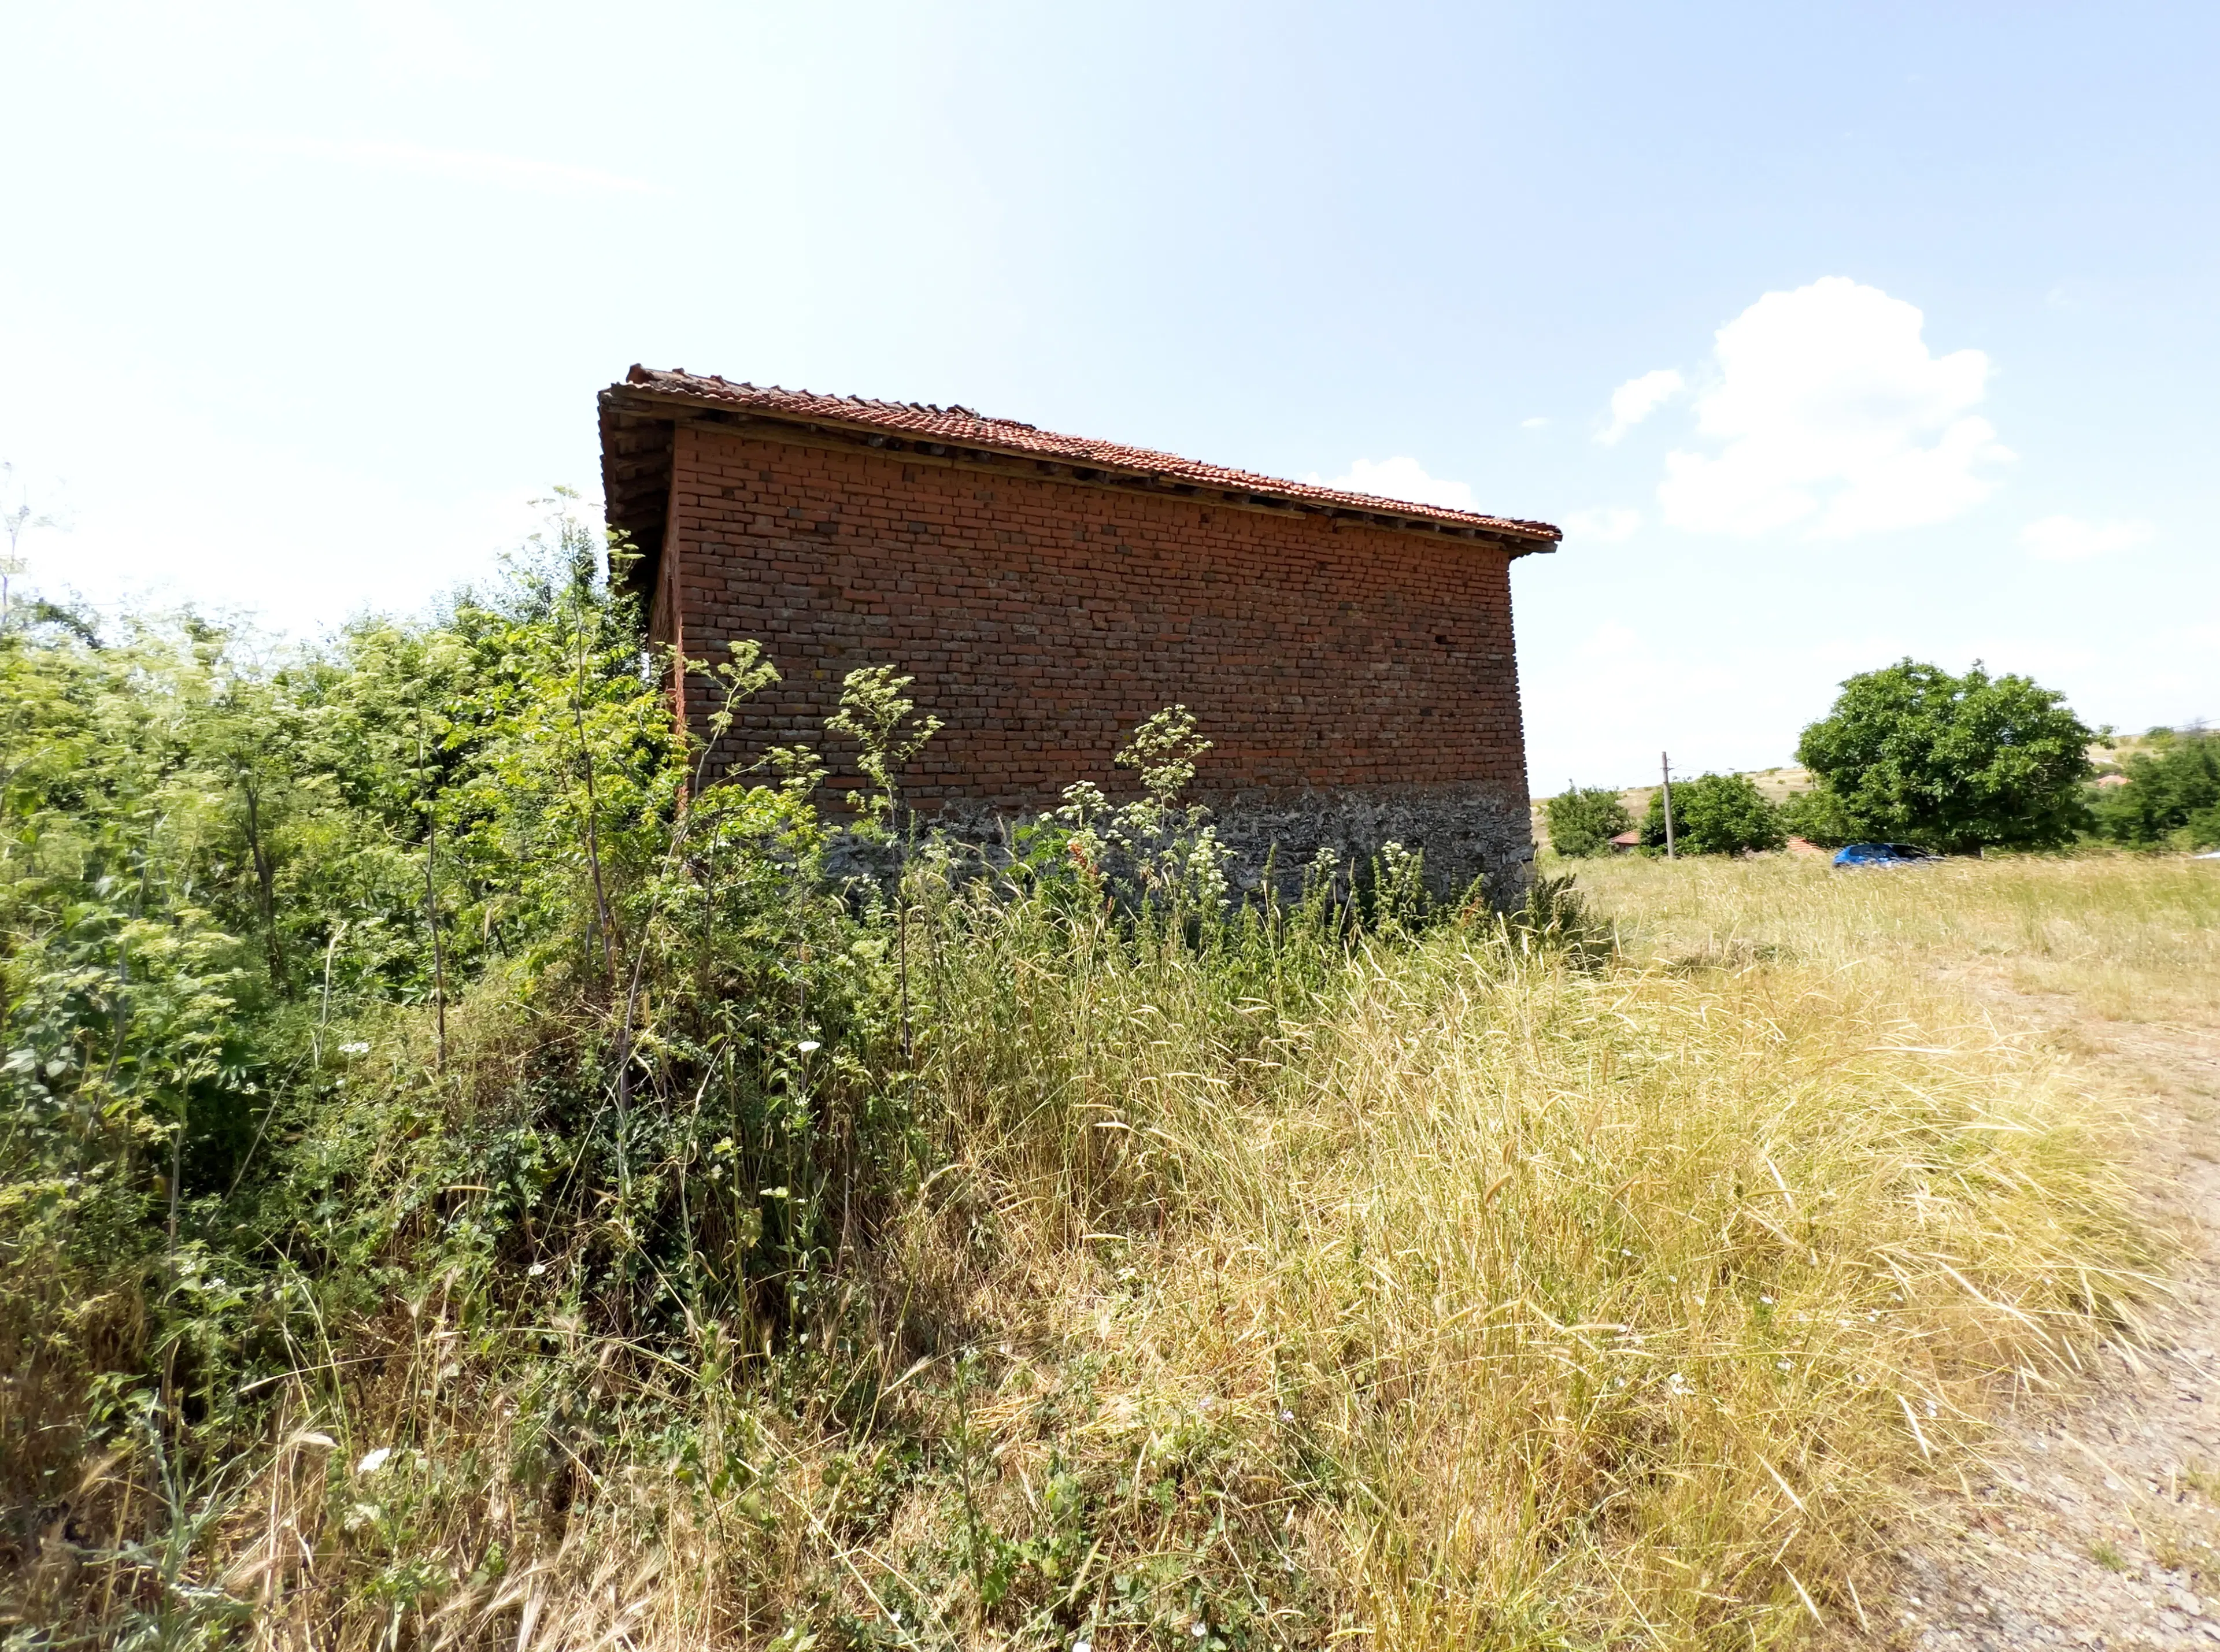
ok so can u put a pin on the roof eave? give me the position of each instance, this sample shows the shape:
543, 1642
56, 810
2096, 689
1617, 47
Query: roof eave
1517, 539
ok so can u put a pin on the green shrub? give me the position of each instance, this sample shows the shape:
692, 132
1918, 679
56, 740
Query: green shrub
2172, 797
1584, 819
1714, 814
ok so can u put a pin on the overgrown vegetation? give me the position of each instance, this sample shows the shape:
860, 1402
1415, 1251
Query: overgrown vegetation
470, 1181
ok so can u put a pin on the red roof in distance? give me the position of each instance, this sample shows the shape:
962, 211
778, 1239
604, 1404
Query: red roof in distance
960, 425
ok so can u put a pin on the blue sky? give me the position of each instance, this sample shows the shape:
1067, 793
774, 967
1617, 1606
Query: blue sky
1832, 333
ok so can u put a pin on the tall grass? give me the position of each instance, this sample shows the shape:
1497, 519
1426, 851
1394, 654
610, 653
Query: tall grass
1506, 1303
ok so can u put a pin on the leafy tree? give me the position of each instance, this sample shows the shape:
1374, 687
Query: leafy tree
1817, 817
2173, 795
1958, 764
1584, 820
1714, 814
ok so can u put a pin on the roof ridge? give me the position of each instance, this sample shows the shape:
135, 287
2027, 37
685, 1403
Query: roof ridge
929, 421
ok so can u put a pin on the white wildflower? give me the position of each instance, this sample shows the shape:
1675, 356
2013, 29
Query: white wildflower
373, 1460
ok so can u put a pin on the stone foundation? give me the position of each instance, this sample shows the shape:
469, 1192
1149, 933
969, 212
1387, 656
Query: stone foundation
1466, 833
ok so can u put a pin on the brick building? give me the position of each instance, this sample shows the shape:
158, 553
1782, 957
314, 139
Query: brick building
1350, 656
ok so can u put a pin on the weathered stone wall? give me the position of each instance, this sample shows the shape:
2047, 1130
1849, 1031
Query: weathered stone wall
1357, 682
1465, 833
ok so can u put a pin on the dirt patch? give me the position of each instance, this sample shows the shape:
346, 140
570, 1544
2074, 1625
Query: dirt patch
2095, 1522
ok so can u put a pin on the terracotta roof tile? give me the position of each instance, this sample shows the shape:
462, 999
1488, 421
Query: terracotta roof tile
960, 425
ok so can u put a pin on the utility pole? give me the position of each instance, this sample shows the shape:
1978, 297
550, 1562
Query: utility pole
1665, 772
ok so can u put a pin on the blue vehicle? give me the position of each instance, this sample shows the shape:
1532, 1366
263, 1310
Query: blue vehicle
1882, 854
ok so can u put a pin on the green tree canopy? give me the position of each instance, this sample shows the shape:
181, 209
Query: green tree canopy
1817, 816
2173, 795
1714, 814
1958, 764
1584, 819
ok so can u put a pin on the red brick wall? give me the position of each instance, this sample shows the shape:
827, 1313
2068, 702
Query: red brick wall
1043, 619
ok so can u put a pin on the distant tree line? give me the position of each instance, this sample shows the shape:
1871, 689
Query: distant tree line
1957, 763
2171, 798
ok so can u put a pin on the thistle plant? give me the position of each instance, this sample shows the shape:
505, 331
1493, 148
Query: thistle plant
877, 713
1166, 851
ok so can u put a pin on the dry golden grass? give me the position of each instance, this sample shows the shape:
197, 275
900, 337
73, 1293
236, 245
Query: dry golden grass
1541, 1307
2128, 937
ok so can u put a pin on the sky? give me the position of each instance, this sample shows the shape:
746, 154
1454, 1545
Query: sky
1831, 334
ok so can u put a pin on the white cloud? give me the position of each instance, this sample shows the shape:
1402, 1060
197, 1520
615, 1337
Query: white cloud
1636, 399
1404, 477
2068, 539
463, 166
1607, 525
1538, 423
1831, 412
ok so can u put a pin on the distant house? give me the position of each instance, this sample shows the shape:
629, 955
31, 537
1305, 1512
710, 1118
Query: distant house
1350, 656
1626, 843
2112, 780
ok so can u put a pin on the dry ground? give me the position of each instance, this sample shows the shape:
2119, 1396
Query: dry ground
2097, 1525
2093, 1517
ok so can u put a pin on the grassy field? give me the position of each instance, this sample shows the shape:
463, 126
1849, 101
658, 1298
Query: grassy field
2126, 938
1608, 1304
465, 1181
1485, 1299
